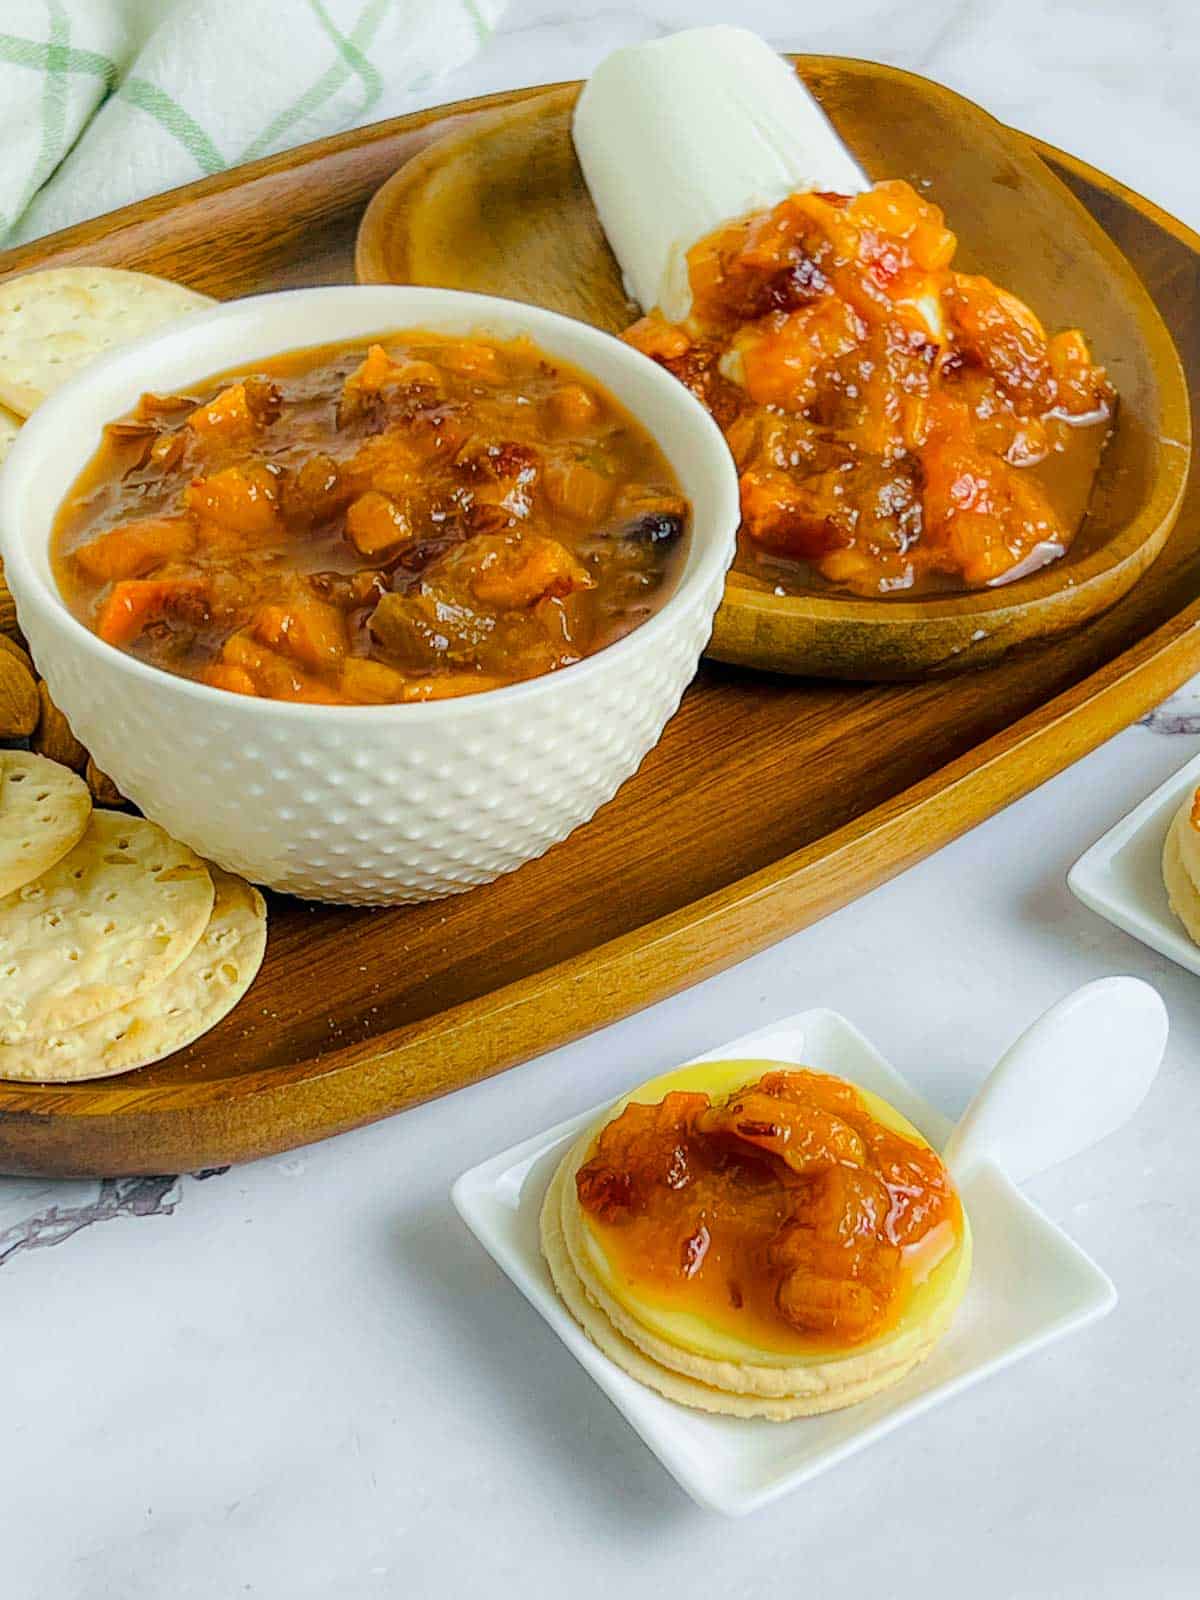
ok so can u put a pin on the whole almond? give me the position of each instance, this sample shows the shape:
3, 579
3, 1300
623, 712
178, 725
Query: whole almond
104, 790
53, 737
8, 643
20, 707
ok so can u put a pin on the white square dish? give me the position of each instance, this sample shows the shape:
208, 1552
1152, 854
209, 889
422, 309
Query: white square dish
1120, 877
1030, 1285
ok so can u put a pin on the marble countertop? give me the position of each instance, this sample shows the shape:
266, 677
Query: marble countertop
303, 1378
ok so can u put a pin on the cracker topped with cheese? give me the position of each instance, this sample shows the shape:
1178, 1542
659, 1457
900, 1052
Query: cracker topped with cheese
759, 1240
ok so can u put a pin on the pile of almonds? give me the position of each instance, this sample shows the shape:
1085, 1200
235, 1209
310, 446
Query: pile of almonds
28, 716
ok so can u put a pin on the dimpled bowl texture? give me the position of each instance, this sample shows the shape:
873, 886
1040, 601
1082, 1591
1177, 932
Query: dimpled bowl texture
364, 804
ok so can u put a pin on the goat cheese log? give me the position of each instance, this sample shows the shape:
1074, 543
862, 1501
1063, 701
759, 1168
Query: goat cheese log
680, 135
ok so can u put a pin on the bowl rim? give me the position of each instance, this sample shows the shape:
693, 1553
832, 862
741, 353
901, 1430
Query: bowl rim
400, 312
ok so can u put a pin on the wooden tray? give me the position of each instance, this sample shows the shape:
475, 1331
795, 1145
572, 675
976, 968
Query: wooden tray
768, 803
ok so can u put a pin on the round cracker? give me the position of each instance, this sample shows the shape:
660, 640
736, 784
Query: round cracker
775, 1388
206, 985
44, 810
10, 427
673, 1385
110, 920
682, 1387
822, 1384
53, 323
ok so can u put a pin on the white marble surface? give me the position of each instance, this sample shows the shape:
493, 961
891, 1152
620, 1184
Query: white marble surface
303, 1379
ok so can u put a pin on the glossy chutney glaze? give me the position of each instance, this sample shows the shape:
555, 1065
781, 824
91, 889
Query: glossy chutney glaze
785, 1214
898, 427
415, 518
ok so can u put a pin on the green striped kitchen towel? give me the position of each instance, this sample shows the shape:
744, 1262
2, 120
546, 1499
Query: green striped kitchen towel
104, 101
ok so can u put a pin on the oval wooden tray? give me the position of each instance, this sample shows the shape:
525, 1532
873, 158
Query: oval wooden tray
812, 793
501, 207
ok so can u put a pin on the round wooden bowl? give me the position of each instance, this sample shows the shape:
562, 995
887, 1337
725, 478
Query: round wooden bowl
500, 206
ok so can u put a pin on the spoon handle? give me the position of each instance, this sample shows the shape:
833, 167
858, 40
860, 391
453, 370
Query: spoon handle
1072, 1078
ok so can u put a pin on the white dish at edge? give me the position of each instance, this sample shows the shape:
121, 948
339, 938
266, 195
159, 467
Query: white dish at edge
1030, 1283
1120, 877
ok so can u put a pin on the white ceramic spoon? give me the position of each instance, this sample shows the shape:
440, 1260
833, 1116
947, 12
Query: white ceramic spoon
1072, 1078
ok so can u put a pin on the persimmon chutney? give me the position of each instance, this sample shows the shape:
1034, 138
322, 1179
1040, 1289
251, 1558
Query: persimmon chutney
786, 1215
405, 519
899, 428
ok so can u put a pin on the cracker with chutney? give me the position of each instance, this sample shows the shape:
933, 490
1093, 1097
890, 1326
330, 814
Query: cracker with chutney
757, 1240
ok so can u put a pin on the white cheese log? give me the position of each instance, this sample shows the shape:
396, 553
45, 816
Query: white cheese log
681, 135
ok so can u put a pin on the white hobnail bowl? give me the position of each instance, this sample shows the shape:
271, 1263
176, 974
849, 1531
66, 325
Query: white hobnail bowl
364, 804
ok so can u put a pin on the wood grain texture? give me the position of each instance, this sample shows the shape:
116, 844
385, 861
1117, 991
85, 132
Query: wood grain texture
769, 802
500, 206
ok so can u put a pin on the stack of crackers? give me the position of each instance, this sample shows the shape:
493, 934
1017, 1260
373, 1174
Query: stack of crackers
118, 944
